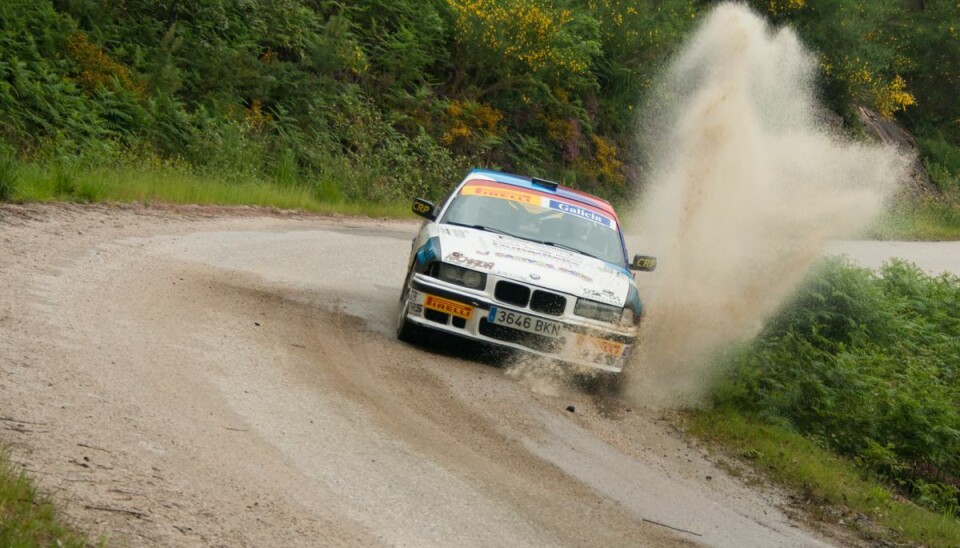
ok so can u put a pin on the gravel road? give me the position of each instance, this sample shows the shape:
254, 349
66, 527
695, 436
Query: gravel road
208, 377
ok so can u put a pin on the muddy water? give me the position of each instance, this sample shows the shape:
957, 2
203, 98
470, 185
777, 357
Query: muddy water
746, 186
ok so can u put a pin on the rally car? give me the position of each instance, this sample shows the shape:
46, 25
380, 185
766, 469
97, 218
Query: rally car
526, 264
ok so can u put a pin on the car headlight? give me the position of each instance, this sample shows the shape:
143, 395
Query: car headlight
461, 276
597, 311
474, 279
628, 317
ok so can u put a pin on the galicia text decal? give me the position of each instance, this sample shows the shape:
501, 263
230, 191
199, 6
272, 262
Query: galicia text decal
581, 212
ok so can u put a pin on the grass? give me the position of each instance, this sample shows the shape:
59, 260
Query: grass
832, 487
35, 183
926, 221
25, 518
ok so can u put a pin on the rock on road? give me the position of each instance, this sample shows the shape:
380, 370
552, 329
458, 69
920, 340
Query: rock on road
197, 377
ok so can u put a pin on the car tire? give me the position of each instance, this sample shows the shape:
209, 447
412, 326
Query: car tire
407, 331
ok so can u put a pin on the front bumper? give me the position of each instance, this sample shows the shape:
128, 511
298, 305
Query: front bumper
463, 312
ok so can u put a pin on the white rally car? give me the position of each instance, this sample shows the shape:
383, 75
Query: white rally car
526, 264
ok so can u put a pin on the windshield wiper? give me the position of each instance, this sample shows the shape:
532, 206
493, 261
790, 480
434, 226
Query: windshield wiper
481, 227
568, 248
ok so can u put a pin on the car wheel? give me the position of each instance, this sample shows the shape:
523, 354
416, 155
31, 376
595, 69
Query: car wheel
407, 331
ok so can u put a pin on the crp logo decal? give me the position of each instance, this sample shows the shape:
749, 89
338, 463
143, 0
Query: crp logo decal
460, 259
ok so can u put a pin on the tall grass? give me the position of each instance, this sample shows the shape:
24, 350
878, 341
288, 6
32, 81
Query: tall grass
8, 175
924, 220
66, 181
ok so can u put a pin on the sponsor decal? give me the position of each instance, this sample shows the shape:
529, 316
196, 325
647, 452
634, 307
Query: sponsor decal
581, 212
455, 232
644, 263
421, 208
554, 254
453, 308
602, 295
529, 260
603, 346
458, 258
502, 193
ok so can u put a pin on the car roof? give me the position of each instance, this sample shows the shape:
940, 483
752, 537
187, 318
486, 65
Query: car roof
532, 184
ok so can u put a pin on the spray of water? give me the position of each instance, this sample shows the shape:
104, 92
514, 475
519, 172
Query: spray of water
746, 186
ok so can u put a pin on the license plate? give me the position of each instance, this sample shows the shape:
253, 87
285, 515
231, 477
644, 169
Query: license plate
524, 322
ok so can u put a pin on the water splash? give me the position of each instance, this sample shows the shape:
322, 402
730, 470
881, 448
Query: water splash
747, 184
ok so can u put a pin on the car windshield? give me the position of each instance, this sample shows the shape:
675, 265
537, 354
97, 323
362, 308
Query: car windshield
567, 227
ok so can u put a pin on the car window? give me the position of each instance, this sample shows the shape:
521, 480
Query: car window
538, 223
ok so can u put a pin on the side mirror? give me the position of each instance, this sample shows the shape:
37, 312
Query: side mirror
424, 208
644, 263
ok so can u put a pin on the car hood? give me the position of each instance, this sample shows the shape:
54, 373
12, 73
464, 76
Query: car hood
535, 264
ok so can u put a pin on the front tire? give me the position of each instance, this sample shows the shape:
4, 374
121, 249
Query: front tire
407, 331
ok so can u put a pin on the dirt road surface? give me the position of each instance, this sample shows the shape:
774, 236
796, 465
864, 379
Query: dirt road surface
203, 377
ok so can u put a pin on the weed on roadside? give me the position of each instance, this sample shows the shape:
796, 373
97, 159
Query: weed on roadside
26, 519
8, 175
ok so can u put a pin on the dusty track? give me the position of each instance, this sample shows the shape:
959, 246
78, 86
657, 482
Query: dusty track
209, 377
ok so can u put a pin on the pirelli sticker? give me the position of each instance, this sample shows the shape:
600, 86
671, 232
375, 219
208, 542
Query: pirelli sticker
603, 346
502, 193
453, 308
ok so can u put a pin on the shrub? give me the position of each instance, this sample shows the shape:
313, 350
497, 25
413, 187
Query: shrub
868, 364
8, 174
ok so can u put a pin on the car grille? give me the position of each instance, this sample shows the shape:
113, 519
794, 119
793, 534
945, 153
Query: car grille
520, 295
530, 340
512, 293
548, 303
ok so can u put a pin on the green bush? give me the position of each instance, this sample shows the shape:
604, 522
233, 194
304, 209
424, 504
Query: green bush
8, 174
868, 364
942, 160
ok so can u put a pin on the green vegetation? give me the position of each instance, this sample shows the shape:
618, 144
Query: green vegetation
25, 519
863, 364
923, 220
831, 488
383, 100
174, 184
